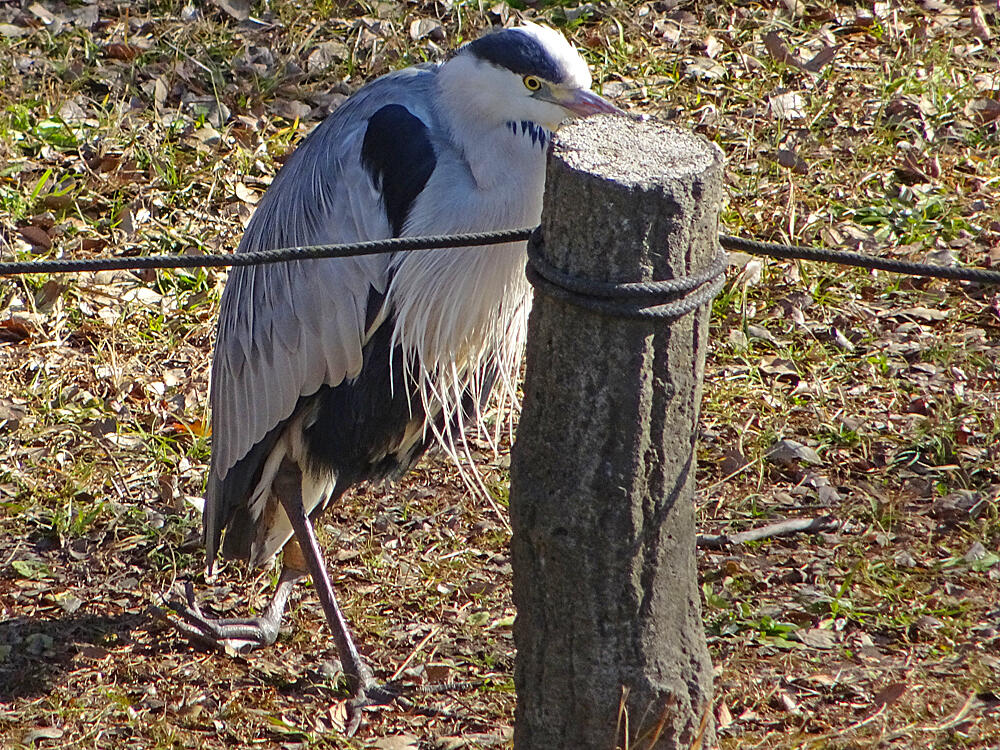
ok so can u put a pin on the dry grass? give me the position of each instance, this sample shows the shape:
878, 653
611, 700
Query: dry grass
155, 128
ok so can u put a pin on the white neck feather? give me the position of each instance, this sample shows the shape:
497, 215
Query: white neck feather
461, 313
477, 120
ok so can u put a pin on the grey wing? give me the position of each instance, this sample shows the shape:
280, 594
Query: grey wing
288, 328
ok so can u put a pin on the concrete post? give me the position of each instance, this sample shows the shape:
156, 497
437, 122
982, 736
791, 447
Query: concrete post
610, 644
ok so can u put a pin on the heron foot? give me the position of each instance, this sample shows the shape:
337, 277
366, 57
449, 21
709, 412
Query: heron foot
372, 695
229, 635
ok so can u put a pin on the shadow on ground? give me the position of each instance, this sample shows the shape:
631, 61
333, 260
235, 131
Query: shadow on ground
35, 652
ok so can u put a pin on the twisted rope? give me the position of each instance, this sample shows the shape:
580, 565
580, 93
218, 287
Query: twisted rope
635, 300
859, 260
553, 276
309, 252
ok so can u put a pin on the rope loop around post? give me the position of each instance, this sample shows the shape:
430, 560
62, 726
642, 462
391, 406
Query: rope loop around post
634, 300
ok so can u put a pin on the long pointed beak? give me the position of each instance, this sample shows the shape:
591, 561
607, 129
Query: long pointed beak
583, 102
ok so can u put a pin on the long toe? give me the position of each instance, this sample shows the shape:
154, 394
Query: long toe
228, 635
373, 694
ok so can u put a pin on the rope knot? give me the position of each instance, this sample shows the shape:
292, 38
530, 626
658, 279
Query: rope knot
634, 300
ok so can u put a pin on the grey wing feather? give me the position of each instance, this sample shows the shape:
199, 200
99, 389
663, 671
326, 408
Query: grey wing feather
286, 329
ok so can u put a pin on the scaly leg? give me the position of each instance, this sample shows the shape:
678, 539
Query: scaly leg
365, 691
243, 634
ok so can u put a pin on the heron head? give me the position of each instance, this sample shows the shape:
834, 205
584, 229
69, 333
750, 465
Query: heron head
527, 73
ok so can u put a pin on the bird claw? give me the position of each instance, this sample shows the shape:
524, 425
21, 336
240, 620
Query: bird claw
380, 695
231, 636
373, 695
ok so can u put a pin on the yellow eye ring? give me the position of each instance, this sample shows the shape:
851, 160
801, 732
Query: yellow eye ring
531, 83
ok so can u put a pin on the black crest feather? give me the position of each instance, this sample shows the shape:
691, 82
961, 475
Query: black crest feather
518, 52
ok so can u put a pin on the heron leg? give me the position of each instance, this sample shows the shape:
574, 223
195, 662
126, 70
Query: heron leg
365, 691
242, 634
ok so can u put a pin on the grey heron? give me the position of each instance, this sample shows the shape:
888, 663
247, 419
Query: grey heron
328, 373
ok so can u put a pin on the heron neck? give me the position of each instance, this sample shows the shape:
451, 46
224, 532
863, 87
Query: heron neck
497, 150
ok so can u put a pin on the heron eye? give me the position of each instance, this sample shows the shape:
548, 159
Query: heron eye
531, 83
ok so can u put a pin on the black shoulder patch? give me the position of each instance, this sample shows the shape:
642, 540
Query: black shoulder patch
398, 154
520, 53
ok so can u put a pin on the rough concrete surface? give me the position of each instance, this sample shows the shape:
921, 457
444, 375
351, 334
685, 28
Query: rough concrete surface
603, 466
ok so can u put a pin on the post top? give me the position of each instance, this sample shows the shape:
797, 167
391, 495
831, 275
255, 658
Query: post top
633, 152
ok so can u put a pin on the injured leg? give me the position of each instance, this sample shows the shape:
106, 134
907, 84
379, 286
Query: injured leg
243, 634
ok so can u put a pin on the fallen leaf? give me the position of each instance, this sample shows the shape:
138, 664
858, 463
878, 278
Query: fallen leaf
68, 602
427, 27
712, 46
326, 55
437, 672
818, 638
959, 506
904, 559
92, 651
13, 331
921, 313
706, 69
777, 367
792, 161
778, 50
36, 237
11, 414
398, 742
783, 701
824, 680
238, 9
42, 733
788, 106
119, 51
291, 109
788, 453
982, 111
794, 7
245, 194
42, 13
34, 570
976, 552
980, 28
889, 694
10, 31
821, 58
723, 717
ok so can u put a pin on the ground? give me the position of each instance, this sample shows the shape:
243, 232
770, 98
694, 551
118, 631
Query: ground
862, 396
